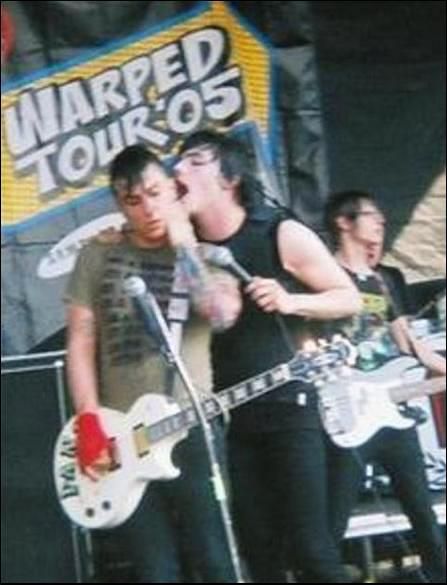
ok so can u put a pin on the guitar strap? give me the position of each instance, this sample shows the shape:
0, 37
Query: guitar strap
384, 287
178, 313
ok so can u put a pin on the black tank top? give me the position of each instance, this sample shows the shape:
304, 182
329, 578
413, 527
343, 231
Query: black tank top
256, 343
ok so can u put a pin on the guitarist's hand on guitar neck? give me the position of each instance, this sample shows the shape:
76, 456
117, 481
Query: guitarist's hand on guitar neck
92, 446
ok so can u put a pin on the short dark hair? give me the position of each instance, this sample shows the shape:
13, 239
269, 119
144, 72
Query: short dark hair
234, 161
130, 163
344, 204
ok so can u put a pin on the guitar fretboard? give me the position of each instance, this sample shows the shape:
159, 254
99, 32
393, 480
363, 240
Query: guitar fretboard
221, 402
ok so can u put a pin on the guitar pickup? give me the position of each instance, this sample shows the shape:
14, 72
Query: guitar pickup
141, 440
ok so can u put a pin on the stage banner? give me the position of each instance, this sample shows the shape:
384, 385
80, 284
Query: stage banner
62, 125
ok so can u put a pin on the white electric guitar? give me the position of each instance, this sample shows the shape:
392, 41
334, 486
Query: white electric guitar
143, 439
354, 410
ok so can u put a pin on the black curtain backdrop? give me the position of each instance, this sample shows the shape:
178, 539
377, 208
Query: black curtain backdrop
382, 82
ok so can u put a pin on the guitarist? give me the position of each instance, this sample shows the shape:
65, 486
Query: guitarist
112, 360
381, 332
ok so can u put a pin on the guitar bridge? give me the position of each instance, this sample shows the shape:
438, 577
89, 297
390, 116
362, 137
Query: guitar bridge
114, 454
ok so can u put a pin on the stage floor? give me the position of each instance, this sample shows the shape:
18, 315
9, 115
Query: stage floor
373, 518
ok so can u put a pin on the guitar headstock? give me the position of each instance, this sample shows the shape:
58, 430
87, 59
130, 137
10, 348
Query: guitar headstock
323, 361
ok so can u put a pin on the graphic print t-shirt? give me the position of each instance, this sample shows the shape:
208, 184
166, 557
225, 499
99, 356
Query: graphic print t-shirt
369, 331
129, 361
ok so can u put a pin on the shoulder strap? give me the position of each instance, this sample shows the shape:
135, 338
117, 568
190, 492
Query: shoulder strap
386, 293
178, 313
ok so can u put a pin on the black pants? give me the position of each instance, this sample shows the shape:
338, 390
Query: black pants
280, 505
177, 530
400, 455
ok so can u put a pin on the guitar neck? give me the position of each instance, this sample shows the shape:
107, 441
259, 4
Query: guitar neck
221, 402
425, 388
308, 366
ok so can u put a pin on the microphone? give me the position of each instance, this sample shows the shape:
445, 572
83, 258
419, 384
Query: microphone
222, 257
149, 310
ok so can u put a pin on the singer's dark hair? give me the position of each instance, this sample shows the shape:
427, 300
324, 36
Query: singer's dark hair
234, 160
344, 204
130, 163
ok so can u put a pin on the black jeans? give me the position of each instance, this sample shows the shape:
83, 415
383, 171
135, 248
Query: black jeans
177, 530
280, 505
400, 455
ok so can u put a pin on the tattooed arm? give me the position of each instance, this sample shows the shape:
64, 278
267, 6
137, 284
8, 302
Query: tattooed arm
215, 294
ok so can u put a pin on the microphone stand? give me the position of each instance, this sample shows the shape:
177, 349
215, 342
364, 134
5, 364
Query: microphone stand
173, 359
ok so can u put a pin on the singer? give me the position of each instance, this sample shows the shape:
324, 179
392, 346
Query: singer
277, 459
112, 360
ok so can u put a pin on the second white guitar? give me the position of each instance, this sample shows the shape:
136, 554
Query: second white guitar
354, 410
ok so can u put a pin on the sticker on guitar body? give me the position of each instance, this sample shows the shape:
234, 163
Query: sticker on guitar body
355, 410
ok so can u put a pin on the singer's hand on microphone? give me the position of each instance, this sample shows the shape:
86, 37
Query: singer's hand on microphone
270, 296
